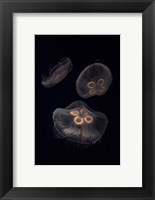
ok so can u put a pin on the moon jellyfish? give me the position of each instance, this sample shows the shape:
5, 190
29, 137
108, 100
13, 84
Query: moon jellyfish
95, 79
57, 73
78, 123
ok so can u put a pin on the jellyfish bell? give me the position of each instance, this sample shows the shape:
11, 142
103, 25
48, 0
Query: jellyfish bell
78, 123
57, 73
95, 79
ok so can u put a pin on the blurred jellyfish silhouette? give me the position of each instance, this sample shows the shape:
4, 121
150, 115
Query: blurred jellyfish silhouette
95, 79
78, 123
57, 73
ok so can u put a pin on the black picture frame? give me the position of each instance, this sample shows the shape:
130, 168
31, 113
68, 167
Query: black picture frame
7, 8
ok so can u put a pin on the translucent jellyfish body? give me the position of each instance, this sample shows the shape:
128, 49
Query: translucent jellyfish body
95, 79
79, 123
57, 73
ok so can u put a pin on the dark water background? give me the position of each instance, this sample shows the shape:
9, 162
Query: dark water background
82, 50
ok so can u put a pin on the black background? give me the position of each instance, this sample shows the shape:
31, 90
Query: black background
82, 50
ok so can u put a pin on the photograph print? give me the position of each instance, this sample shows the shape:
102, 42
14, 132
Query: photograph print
77, 99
